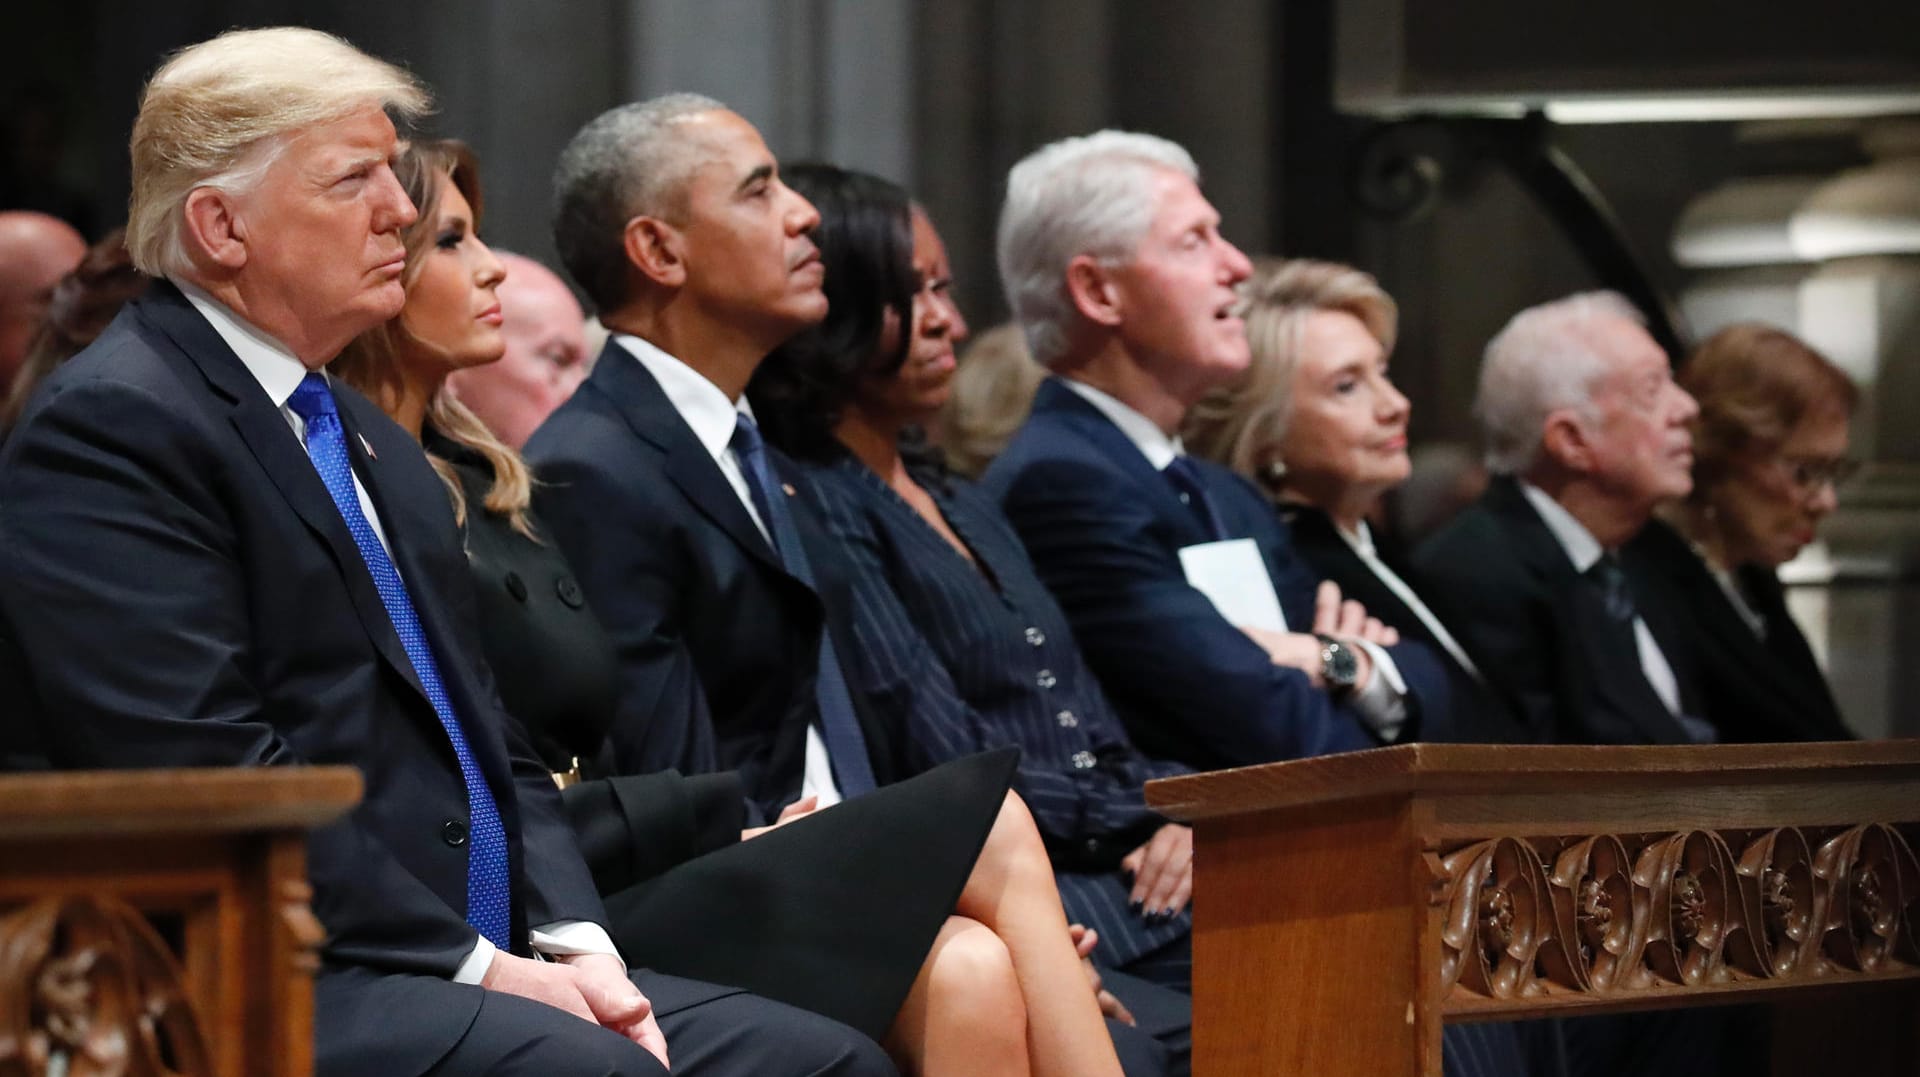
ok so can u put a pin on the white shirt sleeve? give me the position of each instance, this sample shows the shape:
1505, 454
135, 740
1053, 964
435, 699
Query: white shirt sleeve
559, 939
1382, 701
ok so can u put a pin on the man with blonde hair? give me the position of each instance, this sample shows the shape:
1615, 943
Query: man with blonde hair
227, 560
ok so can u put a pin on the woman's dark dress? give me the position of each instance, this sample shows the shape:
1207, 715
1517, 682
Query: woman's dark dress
834, 913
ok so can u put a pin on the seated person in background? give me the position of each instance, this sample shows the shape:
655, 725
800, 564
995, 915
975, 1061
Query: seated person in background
226, 560
1586, 434
1116, 268
1769, 454
992, 394
82, 304
546, 357
1317, 424
35, 252
721, 594
951, 627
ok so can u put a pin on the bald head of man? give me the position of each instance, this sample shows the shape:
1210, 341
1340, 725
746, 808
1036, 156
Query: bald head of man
545, 360
35, 252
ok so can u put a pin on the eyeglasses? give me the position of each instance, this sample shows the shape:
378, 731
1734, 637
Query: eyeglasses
1812, 473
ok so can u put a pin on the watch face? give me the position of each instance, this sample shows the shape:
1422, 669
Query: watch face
1338, 665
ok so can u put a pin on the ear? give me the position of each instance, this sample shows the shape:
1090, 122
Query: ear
1091, 287
1564, 439
657, 250
213, 228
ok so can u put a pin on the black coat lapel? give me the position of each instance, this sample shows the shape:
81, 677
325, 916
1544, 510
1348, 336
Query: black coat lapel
645, 407
1075, 412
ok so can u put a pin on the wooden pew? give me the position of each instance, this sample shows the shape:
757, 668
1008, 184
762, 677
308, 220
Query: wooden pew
1346, 906
159, 919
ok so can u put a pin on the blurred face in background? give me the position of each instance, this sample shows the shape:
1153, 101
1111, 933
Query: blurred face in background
1771, 501
1641, 446
545, 358
1346, 434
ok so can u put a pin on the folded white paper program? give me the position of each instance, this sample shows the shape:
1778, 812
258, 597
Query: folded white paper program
1234, 578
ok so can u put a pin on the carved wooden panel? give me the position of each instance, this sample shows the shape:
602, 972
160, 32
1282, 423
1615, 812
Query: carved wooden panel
87, 989
1614, 914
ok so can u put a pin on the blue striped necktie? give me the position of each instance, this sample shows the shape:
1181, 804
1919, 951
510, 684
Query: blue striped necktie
489, 894
1192, 490
839, 727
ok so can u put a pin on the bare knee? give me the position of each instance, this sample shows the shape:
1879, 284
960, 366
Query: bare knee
971, 982
1014, 849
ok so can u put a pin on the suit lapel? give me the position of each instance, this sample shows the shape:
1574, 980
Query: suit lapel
1074, 412
1613, 663
279, 453
647, 411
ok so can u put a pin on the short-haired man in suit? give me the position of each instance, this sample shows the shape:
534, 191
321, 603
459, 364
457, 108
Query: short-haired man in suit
225, 559
1586, 433
1116, 269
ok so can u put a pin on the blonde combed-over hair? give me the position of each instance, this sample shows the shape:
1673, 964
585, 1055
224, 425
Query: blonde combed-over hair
221, 112
1241, 425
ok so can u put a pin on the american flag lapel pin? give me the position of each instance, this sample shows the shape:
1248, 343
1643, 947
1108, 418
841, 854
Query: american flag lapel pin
367, 445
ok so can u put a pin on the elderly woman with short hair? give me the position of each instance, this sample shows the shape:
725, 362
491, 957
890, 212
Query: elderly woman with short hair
1770, 451
1317, 423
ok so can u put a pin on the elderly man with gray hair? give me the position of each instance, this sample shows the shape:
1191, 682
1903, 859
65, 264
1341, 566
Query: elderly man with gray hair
227, 560
1586, 433
1116, 269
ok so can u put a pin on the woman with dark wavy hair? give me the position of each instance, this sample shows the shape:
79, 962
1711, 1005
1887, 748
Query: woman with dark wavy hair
955, 630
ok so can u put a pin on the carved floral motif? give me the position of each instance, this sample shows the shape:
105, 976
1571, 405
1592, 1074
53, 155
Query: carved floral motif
1617, 913
88, 990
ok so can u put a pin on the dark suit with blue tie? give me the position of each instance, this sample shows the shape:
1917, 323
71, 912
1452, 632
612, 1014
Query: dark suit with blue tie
180, 589
1105, 529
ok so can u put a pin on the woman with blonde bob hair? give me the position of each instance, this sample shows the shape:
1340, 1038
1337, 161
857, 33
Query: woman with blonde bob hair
1769, 456
1317, 423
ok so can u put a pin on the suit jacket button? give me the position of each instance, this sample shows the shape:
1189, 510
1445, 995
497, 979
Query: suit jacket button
569, 592
453, 832
516, 587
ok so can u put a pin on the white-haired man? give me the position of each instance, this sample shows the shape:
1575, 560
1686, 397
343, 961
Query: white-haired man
1586, 433
1115, 268
227, 560
546, 356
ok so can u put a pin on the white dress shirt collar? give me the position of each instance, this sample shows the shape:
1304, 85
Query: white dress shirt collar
700, 402
269, 361
1155, 444
1360, 540
1574, 538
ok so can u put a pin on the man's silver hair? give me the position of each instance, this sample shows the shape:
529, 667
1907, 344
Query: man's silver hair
1091, 195
629, 161
220, 113
1547, 358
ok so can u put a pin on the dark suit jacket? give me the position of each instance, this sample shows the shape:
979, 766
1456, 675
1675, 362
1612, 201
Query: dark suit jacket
181, 591
1105, 529
1500, 580
684, 583
1481, 713
1752, 689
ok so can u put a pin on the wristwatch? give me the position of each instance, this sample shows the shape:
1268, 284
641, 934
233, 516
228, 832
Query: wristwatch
1338, 666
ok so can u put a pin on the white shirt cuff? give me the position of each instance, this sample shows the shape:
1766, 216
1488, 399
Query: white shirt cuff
474, 968
1382, 702
562, 938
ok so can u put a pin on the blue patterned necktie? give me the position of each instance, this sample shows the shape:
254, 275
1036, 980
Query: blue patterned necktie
489, 894
846, 745
1186, 482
